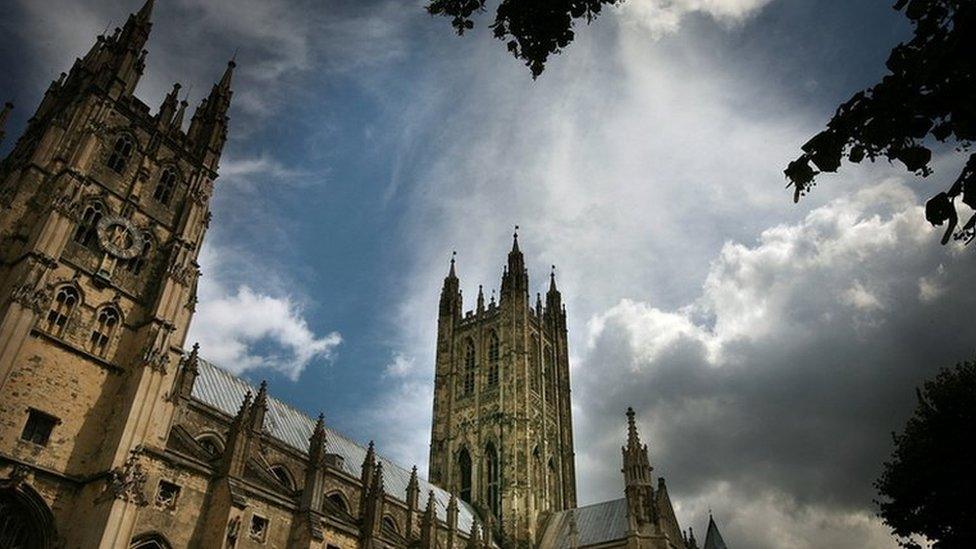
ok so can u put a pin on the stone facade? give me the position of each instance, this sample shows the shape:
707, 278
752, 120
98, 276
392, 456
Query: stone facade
114, 435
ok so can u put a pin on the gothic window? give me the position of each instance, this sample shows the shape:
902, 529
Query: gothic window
534, 365
337, 501
106, 323
165, 186
121, 152
38, 427
25, 519
211, 444
491, 474
259, 528
136, 264
467, 388
493, 360
553, 486
86, 233
390, 524
283, 476
464, 475
166, 495
61, 309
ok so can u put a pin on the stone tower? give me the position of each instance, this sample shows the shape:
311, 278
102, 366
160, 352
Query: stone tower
502, 434
103, 209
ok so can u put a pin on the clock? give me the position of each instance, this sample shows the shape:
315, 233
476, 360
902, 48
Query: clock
119, 237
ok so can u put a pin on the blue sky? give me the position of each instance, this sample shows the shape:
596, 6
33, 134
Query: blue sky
768, 347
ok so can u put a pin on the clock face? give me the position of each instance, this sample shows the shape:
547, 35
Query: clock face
119, 237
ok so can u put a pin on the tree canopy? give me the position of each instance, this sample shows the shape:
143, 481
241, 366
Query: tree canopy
532, 29
926, 489
928, 96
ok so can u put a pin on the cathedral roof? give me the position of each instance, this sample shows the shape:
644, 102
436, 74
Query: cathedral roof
713, 539
222, 390
595, 524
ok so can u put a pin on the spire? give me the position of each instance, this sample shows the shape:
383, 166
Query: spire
428, 524
474, 538
552, 280
450, 304
481, 299
225, 80
4, 115
515, 246
260, 407
318, 434
633, 438
145, 13
713, 538
692, 542
413, 502
538, 304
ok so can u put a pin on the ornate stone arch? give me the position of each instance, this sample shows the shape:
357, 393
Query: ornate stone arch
339, 501
391, 523
28, 521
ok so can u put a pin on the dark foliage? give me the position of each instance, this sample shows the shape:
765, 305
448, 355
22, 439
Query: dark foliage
532, 29
927, 488
930, 94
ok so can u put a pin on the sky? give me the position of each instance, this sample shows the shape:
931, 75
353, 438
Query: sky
769, 348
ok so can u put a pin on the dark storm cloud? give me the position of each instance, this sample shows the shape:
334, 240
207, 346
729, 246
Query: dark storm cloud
813, 341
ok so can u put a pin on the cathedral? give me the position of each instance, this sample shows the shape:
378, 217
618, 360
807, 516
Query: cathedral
114, 433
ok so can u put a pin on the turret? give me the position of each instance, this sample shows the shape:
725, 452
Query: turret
413, 502
452, 521
638, 483
368, 469
166, 111
315, 468
428, 524
188, 372
208, 128
373, 515
450, 305
515, 281
260, 408
238, 441
119, 62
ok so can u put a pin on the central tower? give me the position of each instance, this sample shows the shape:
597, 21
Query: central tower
502, 434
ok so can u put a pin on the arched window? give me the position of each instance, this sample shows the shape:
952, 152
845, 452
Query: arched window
284, 477
554, 497
165, 186
106, 322
492, 481
464, 475
534, 365
469, 369
86, 233
211, 444
136, 264
121, 152
61, 309
337, 501
390, 524
493, 356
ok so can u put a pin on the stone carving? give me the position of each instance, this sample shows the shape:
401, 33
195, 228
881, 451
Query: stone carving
29, 297
128, 481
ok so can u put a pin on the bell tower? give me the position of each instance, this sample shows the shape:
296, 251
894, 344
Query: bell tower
103, 210
502, 434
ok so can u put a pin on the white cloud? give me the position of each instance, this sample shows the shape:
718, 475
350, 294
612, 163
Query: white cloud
400, 366
664, 16
242, 329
